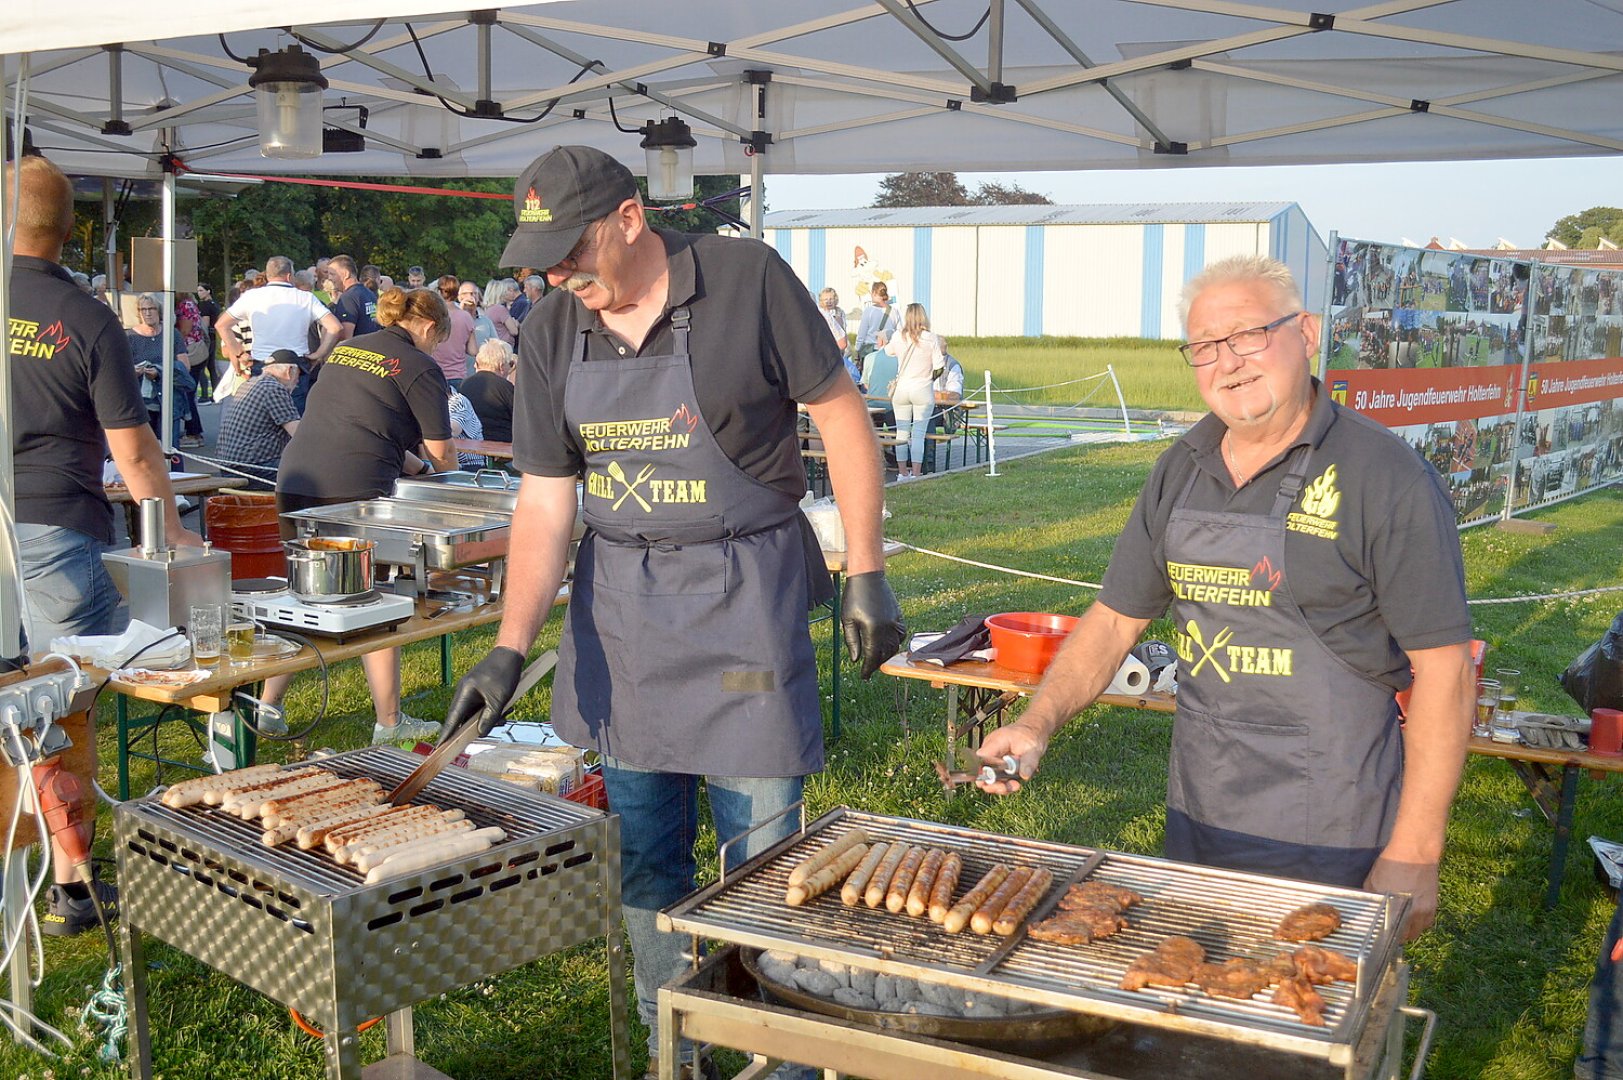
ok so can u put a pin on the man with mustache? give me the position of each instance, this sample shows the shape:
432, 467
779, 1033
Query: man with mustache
663, 370
1311, 560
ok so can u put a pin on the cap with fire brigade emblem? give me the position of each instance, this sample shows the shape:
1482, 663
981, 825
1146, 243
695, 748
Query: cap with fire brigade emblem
562, 192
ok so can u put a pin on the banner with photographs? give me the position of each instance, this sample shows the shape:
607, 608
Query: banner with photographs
1441, 345
1572, 423
1431, 344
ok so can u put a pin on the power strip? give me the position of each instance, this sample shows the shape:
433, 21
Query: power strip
46, 695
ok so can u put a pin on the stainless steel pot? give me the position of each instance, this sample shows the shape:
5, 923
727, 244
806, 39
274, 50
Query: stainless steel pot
328, 569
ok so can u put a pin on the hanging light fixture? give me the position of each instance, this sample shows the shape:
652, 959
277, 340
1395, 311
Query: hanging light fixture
669, 144
288, 85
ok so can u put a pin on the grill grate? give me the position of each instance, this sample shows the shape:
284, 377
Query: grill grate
311, 933
1231, 914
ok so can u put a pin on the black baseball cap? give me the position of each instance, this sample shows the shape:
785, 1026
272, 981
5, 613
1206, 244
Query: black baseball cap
562, 192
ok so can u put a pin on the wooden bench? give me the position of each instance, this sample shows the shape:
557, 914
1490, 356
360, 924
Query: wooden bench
979, 434
816, 463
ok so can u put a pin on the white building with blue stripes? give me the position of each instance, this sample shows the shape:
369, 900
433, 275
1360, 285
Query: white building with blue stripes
1102, 270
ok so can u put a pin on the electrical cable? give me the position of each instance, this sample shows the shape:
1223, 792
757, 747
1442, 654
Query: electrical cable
321, 711
615, 116
469, 114
913, 9
307, 43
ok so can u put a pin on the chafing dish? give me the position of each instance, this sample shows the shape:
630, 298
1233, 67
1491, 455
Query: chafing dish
422, 536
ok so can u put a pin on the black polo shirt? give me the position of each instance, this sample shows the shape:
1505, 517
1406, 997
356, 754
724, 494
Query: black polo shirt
71, 377
492, 399
757, 341
357, 307
1378, 574
378, 397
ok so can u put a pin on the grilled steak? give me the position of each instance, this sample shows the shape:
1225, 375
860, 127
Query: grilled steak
1298, 994
1309, 923
1319, 965
1171, 964
1079, 926
1234, 979
1099, 894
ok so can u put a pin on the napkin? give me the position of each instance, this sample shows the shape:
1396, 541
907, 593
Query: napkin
169, 648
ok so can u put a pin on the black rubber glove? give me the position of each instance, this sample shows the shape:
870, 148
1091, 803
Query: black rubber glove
871, 620
483, 692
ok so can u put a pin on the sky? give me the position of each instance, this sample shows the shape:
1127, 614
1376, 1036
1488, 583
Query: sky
1476, 202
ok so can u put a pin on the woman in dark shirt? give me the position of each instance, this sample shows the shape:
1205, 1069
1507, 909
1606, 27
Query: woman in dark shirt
146, 352
490, 390
381, 402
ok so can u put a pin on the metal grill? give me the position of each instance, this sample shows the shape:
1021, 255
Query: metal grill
309, 932
1231, 914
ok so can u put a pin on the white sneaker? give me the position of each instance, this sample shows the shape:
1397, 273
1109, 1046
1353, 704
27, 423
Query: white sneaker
404, 728
270, 719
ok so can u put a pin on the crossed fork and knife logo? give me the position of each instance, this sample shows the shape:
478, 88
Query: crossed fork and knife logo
631, 486
1208, 651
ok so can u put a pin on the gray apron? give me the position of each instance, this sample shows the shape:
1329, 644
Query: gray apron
685, 646
1285, 760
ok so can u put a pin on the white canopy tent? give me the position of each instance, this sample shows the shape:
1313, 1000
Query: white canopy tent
809, 86
846, 87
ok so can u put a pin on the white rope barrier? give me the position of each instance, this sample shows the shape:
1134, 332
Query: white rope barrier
1522, 599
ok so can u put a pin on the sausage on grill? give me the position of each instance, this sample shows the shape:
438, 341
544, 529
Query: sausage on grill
918, 895
961, 912
945, 882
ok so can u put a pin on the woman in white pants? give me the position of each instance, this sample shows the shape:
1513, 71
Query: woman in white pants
918, 355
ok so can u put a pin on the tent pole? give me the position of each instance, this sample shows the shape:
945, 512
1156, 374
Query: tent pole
11, 619
757, 201
166, 332
994, 42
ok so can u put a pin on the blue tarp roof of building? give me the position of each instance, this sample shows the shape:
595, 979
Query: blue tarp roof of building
1083, 214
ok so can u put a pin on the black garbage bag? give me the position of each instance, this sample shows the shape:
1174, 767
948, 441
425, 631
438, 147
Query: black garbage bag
1595, 679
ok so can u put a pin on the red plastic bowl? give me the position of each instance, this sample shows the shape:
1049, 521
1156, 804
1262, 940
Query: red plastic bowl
1027, 640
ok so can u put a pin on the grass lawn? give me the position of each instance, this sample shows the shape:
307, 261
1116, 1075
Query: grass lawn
1507, 979
1151, 373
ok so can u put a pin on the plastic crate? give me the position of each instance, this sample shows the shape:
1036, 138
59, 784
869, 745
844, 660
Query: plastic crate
591, 792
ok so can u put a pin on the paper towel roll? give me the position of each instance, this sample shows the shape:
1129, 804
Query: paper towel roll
1132, 678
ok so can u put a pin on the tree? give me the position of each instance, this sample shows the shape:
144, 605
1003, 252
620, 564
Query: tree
922, 189
689, 216
993, 193
1583, 230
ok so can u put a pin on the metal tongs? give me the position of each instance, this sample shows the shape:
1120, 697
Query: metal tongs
452, 745
969, 769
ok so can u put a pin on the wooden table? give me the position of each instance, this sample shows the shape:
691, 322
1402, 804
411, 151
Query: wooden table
473, 608
1556, 799
183, 483
492, 451
988, 689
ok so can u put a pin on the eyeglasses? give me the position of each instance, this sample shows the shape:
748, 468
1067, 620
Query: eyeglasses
148, 310
586, 245
1240, 343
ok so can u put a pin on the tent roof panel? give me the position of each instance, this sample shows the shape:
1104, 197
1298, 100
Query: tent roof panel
1079, 214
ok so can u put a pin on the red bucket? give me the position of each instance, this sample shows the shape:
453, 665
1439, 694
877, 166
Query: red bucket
245, 524
1027, 640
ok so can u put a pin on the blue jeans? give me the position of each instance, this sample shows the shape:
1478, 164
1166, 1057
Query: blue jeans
659, 822
1602, 1055
67, 588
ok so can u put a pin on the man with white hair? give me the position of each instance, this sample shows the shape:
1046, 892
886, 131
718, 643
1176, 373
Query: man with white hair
533, 287
281, 315
1313, 567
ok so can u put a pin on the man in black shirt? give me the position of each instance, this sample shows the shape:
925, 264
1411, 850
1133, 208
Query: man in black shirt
355, 305
74, 397
664, 372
